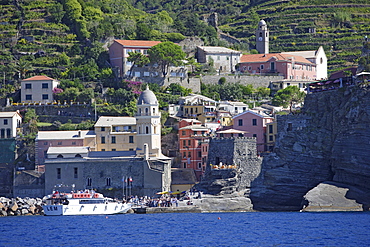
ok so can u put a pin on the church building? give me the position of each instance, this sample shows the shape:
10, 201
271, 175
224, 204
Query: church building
126, 158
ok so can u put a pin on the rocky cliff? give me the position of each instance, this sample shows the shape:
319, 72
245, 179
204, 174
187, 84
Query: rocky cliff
328, 141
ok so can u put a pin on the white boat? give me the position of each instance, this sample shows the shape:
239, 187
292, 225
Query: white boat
83, 203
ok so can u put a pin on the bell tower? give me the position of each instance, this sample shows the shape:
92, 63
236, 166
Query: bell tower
262, 38
148, 124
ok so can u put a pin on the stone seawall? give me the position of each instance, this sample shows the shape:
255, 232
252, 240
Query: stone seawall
18, 206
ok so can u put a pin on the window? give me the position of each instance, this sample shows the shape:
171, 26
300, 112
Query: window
184, 165
45, 96
73, 143
28, 86
102, 139
137, 50
255, 135
146, 130
75, 172
184, 155
183, 132
184, 143
271, 138
60, 156
199, 165
189, 154
78, 156
28, 97
199, 154
128, 50
59, 173
45, 85
45, 143
254, 122
249, 67
290, 127
189, 142
113, 139
113, 149
131, 139
5, 121
8, 131
102, 128
262, 66
59, 143
240, 122
108, 181
103, 149
88, 182
2, 133
271, 129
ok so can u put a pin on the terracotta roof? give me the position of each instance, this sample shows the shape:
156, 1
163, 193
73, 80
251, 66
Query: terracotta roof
138, 43
39, 78
260, 58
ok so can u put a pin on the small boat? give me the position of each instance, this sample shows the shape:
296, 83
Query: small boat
82, 203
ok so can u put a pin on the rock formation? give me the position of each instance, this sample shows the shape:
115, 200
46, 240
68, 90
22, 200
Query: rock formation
20, 206
328, 141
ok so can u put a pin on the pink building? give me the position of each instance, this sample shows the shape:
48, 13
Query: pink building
254, 124
74, 138
292, 67
118, 53
193, 142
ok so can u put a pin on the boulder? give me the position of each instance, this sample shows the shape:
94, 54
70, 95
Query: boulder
13, 206
3, 213
331, 196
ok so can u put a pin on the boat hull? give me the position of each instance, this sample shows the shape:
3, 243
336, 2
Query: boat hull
86, 209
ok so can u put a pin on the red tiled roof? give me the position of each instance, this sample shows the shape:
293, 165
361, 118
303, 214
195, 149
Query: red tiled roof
39, 78
145, 43
260, 58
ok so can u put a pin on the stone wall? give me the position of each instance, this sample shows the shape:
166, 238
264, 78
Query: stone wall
256, 81
239, 152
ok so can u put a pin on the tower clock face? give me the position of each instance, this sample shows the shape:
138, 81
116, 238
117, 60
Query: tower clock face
260, 38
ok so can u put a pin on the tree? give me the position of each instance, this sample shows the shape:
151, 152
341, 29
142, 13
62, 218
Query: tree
288, 96
166, 54
137, 58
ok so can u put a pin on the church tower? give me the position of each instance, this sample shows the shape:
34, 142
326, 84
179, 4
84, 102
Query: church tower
262, 38
148, 125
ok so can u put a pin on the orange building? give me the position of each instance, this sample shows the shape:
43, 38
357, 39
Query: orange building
194, 143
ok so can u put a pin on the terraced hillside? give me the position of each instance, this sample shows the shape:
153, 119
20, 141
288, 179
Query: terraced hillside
338, 25
30, 39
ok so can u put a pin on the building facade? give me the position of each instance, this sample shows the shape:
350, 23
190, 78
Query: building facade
254, 124
119, 52
38, 89
193, 145
10, 123
292, 67
224, 59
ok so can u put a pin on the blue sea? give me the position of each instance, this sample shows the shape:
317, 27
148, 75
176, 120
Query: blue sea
189, 229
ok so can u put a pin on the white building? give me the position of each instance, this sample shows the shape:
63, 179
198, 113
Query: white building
38, 89
9, 123
233, 108
317, 57
224, 59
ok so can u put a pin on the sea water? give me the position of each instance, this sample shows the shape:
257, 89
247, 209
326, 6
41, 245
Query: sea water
189, 229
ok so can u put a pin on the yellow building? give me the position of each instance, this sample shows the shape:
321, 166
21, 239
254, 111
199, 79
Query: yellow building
116, 134
271, 132
204, 112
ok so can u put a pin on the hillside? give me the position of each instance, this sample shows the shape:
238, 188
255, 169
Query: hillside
339, 26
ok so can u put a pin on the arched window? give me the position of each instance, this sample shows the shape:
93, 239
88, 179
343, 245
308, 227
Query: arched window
321, 60
153, 110
78, 155
139, 130
146, 130
146, 111
88, 182
60, 156
260, 34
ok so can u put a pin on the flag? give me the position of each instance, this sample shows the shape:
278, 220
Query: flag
130, 179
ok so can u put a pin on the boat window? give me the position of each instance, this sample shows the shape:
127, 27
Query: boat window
92, 201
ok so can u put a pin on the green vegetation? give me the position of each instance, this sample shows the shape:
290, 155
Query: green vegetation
288, 97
